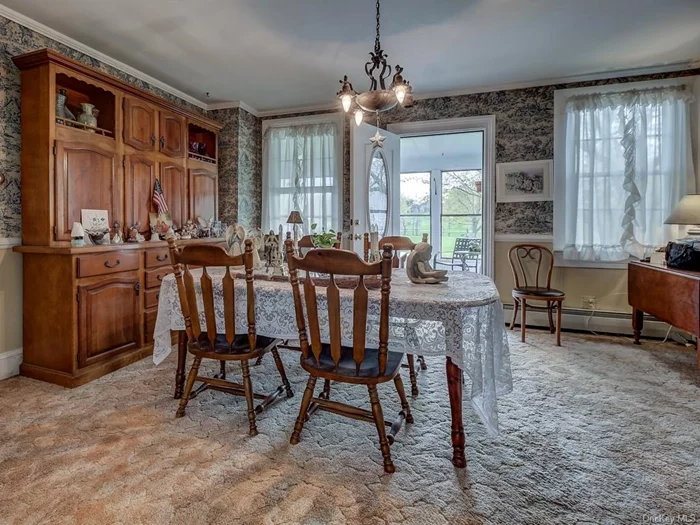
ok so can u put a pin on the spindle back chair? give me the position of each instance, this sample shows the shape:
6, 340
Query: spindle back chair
204, 340
354, 364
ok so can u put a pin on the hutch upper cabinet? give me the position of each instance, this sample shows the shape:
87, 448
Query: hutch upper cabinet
91, 310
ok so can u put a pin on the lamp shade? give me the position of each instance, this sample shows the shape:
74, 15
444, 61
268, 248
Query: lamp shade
294, 218
687, 211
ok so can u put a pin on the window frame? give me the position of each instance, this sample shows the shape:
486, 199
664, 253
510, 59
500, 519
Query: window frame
559, 176
333, 117
430, 201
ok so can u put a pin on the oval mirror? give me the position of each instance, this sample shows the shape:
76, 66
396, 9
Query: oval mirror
378, 193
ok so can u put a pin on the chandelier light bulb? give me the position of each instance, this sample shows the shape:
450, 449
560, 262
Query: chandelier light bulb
347, 101
358, 117
400, 93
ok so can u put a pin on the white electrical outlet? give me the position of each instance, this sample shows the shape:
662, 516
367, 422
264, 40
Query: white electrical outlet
588, 302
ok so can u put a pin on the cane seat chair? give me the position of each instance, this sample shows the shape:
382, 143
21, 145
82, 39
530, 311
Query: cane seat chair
205, 342
532, 266
401, 244
356, 364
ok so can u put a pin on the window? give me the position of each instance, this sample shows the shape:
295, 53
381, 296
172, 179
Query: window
414, 205
624, 162
301, 171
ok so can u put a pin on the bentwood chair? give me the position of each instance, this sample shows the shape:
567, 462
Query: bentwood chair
401, 244
532, 265
354, 364
205, 342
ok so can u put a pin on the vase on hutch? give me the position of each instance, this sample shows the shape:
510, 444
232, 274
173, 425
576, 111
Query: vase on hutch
87, 117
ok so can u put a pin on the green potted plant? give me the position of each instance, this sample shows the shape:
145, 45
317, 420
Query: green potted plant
323, 239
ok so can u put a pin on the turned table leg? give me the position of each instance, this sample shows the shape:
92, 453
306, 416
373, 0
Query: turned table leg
181, 362
637, 324
454, 385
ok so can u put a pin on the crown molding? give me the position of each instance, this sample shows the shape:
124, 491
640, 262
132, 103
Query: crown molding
573, 79
97, 55
330, 106
231, 105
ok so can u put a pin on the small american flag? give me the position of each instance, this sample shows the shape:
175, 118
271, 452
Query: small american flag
159, 198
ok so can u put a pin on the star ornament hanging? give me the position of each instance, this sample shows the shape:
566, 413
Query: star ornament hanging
378, 140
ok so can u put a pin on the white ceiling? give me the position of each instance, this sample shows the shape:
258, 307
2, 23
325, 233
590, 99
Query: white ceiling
275, 54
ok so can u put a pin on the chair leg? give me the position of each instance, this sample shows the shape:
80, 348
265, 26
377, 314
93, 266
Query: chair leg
188, 387
326, 394
283, 375
523, 319
258, 360
305, 402
222, 369
559, 323
381, 429
516, 305
412, 374
398, 383
248, 388
550, 306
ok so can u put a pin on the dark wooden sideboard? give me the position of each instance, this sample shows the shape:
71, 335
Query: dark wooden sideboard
90, 310
670, 295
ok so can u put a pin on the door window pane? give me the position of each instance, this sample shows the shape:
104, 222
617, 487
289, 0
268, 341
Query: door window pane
461, 207
414, 205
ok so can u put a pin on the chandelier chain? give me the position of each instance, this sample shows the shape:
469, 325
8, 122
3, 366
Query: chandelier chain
377, 45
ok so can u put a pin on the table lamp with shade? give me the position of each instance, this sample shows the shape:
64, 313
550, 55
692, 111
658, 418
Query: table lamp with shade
687, 212
294, 219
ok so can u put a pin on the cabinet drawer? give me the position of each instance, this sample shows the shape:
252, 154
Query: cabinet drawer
156, 258
152, 297
106, 263
154, 277
149, 324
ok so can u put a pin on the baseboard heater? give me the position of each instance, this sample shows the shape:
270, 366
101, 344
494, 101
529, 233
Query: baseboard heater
578, 319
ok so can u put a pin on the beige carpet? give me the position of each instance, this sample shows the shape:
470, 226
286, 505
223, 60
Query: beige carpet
599, 431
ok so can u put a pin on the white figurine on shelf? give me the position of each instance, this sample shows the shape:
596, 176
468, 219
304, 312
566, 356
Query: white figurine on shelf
235, 239
77, 235
418, 266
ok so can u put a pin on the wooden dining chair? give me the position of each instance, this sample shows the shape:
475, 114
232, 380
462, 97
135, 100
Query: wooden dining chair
354, 364
401, 244
532, 266
205, 342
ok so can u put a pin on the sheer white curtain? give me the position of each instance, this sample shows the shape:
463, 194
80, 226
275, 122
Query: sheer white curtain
302, 173
628, 163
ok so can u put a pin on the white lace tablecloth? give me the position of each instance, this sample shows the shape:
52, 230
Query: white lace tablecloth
462, 319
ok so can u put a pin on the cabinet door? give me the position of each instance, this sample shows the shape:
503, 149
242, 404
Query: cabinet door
174, 184
85, 178
140, 178
108, 318
139, 124
203, 193
172, 134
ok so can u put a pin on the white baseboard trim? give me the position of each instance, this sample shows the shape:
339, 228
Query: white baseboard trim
601, 322
9, 363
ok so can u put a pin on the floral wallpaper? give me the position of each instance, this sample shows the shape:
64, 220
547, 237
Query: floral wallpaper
249, 169
228, 163
16, 39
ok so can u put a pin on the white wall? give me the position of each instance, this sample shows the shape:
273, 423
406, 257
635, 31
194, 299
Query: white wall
459, 151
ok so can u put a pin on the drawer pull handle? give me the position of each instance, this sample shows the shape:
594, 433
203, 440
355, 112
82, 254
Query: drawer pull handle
159, 277
108, 265
161, 258
157, 297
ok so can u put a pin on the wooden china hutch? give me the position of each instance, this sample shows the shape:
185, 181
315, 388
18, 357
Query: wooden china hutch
91, 310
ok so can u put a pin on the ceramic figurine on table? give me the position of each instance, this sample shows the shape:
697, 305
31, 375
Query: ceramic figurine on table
235, 237
272, 250
117, 237
134, 235
418, 266
189, 230
205, 226
77, 235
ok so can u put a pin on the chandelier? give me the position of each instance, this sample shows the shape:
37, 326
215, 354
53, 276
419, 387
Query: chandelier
378, 98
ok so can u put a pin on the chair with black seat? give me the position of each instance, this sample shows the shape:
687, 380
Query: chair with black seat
205, 342
532, 266
354, 364
404, 244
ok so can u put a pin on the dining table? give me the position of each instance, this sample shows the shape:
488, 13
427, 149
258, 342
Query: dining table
461, 320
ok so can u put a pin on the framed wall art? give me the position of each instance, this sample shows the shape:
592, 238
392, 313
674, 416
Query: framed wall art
524, 181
